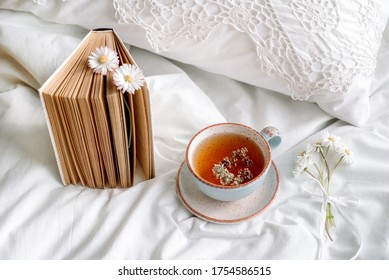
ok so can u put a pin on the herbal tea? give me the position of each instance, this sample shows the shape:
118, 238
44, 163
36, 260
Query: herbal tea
228, 159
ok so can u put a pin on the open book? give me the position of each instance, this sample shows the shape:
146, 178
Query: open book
98, 132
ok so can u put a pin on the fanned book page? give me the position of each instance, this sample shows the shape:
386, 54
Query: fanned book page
99, 132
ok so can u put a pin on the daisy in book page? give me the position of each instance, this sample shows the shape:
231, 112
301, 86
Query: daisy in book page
103, 59
128, 78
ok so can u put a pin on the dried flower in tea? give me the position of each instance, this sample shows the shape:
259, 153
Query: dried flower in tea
234, 170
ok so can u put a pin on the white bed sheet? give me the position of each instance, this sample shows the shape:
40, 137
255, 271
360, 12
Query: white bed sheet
42, 219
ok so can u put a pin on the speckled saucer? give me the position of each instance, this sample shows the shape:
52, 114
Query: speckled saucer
225, 212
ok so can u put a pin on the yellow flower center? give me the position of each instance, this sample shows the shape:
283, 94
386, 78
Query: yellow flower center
347, 151
332, 139
128, 78
103, 59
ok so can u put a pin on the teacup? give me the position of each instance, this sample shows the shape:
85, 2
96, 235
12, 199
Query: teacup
229, 161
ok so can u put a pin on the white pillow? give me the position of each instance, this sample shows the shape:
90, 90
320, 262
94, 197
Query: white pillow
322, 51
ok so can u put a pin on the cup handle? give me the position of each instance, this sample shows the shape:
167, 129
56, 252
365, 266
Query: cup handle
272, 136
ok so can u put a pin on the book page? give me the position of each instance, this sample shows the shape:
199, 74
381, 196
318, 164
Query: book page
58, 125
119, 132
144, 141
103, 137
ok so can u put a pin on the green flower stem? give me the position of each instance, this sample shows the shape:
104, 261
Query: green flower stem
310, 174
318, 170
329, 221
337, 164
325, 181
129, 113
328, 149
325, 162
329, 217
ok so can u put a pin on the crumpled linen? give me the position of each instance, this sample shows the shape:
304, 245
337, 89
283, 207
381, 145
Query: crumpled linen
42, 219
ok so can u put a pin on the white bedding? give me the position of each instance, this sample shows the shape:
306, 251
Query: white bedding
42, 219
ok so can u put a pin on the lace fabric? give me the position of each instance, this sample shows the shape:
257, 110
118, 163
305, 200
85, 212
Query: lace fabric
44, 1
344, 36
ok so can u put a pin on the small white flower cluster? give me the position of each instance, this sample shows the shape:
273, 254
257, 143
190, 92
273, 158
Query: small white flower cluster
238, 160
328, 142
222, 173
315, 161
127, 77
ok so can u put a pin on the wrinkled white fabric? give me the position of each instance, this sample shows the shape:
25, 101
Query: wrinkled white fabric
41, 219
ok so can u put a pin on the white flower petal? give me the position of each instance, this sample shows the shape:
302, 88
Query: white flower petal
330, 140
128, 78
298, 169
345, 153
103, 59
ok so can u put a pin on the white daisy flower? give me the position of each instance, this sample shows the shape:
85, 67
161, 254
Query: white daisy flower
308, 150
103, 59
346, 154
330, 140
128, 78
299, 169
305, 156
317, 146
302, 162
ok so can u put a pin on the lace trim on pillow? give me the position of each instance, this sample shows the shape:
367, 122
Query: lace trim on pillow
334, 57
43, 1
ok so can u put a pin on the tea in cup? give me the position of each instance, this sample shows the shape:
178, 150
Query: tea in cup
229, 161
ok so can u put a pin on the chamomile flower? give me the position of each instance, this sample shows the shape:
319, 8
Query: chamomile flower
330, 140
299, 168
307, 152
128, 78
304, 159
346, 154
102, 60
317, 146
